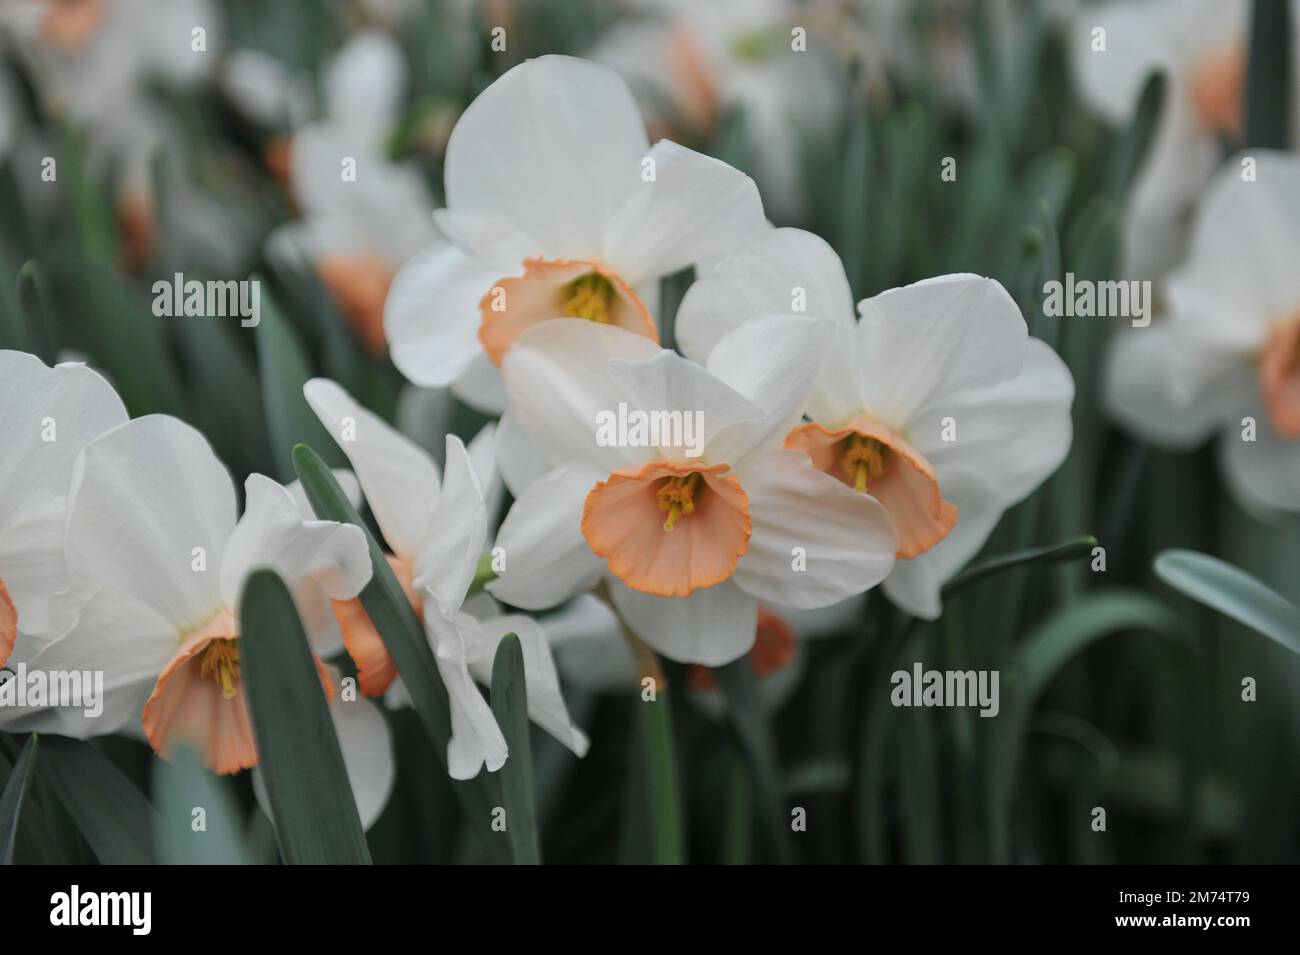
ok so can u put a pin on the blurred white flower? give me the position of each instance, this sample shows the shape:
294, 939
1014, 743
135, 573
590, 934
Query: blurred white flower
437, 527
556, 207
361, 216
687, 545
152, 536
689, 62
1229, 347
937, 402
1200, 47
47, 415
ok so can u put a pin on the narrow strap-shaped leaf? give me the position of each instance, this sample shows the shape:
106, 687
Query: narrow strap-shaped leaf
510, 707
1141, 133
1268, 76
113, 816
1233, 593
745, 712
663, 789
1072, 549
307, 785
11, 800
403, 636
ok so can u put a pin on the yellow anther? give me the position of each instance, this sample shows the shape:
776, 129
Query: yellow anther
590, 297
677, 497
863, 458
221, 660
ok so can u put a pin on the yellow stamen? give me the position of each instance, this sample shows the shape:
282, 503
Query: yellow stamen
590, 297
677, 497
221, 660
863, 458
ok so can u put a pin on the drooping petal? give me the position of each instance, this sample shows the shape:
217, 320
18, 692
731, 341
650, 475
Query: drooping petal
545, 703
272, 534
846, 539
457, 532
1264, 474
150, 515
547, 558
553, 146
476, 738
367, 746
589, 647
695, 208
711, 627
518, 459
398, 477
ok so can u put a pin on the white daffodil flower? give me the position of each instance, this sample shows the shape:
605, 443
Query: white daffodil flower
1226, 358
937, 402
437, 527
1200, 47
688, 534
47, 415
361, 216
556, 206
690, 62
154, 536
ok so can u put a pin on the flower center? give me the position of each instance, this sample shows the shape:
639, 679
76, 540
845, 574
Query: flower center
872, 458
590, 297
1218, 82
862, 458
623, 520
677, 497
221, 663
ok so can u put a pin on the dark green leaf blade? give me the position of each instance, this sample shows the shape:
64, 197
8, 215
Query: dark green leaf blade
182, 785
11, 800
510, 707
306, 783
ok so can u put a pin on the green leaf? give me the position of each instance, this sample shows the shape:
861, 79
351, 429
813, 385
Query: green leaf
1268, 76
11, 800
181, 785
658, 754
1074, 548
37, 311
113, 816
306, 783
748, 717
1141, 132
1037, 662
284, 370
510, 707
403, 636
1233, 593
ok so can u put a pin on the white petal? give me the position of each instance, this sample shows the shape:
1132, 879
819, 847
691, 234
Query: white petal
1141, 390
364, 85
348, 484
847, 538
1011, 436
695, 208
367, 746
712, 626
424, 416
1264, 474
272, 534
456, 534
553, 146
116, 636
589, 647
480, 385
152, 503
914, 584
773, 361
559, 381
475, 737
545, 703
482, 456
431, 316
399, 478
934, 337
771, 275
520, 461
547, 558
